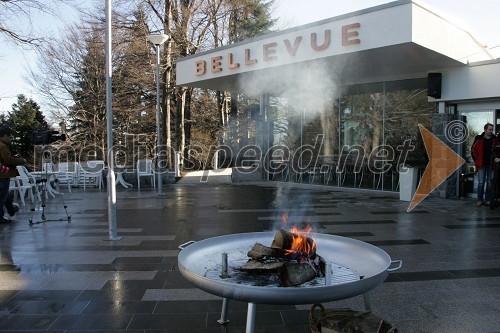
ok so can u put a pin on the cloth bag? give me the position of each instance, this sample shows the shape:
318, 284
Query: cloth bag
346, 321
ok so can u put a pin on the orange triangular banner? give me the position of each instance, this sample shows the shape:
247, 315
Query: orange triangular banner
442, 163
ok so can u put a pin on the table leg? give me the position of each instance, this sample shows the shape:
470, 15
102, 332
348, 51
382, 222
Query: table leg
368, 301
252, 308
51, 190
223, 315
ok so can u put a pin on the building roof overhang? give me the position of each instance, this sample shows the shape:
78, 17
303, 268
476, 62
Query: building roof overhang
398, 40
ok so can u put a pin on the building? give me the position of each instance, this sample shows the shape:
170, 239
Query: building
340, 100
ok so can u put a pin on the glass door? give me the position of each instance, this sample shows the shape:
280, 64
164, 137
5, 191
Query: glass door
475, 126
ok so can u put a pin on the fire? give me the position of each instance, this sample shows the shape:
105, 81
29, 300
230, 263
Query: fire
301, 242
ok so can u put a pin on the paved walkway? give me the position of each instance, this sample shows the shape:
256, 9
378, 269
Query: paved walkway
65, 277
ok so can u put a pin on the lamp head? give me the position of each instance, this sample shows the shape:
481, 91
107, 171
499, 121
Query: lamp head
157, 39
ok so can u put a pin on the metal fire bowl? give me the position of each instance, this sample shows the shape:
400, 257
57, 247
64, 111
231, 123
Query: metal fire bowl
198, 262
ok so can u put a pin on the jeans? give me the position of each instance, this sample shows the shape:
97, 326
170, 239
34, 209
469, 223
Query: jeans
484, 175
4, 194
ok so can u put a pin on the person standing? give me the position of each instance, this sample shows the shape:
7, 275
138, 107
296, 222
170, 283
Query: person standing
11, 162
485, 162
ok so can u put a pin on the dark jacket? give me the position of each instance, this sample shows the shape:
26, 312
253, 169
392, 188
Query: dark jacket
10, 161
478, 150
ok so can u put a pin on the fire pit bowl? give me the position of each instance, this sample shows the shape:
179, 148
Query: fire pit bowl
357, 268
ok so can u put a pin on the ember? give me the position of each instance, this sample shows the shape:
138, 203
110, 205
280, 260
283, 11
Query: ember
292, 255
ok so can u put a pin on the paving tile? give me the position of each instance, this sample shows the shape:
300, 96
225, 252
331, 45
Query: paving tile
44, 295
177, 295
27, 322
109, 307
49, 307
114, 295
169, 321
7, 307
92, 322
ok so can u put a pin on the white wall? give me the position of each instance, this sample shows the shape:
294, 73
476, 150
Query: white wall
478, 81
435, 33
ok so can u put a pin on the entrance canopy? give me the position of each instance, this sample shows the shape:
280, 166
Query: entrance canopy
397, 40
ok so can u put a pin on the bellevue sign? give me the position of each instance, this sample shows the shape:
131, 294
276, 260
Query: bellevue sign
270, 51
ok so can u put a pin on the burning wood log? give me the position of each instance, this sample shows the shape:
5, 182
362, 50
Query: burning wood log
293, 242
291, 255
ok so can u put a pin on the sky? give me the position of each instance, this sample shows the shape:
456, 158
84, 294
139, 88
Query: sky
479, 17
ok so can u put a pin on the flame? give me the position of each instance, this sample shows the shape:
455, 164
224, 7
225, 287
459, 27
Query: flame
301, 236
300, 241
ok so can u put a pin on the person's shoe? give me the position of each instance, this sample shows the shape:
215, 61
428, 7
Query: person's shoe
479, 203
14, 209
4, 221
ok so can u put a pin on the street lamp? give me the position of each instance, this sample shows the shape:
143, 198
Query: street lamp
158, 40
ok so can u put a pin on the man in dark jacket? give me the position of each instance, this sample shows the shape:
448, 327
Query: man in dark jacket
11, 162
485, 162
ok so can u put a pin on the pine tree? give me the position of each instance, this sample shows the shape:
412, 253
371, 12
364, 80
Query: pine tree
25, 119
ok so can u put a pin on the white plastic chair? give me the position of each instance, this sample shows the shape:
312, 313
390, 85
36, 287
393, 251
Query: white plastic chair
28, 181
91, 174
18, 189
68, 173
144, 168
47, 167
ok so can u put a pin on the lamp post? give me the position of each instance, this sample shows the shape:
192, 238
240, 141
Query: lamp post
158, 40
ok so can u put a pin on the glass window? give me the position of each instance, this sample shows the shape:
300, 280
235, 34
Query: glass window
351, 136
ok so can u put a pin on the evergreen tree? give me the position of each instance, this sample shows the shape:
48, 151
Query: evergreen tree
25, 119
250, 18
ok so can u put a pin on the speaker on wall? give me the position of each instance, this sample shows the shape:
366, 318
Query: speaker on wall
434, 84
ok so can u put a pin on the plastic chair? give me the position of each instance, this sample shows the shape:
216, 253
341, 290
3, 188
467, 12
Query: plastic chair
68, 173
144, 168
28, 181
48, 167
91, 174
18, 189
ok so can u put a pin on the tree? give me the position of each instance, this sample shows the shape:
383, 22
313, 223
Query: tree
249, 18
25, 119
186, 22
88, 114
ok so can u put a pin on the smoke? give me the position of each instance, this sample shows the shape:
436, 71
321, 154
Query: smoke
293, 209
304, 81
307, 86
